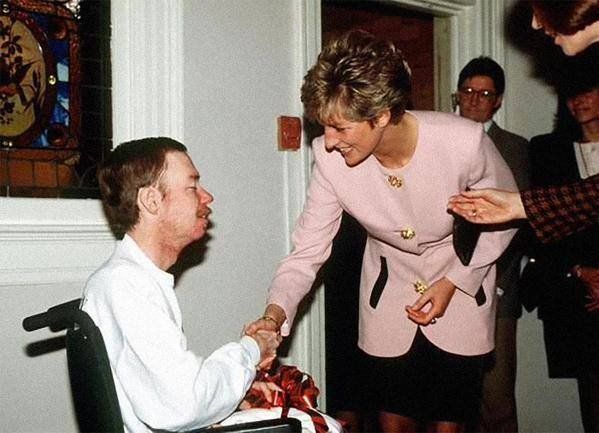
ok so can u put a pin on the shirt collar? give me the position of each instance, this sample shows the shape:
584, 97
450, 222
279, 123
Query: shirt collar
129, 247
487, 125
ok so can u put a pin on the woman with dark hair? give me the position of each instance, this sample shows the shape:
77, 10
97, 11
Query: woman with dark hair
565, 274
426, 319
555, 211
573, 24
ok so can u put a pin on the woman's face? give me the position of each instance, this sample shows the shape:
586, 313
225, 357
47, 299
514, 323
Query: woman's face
585, 106
355, 141
571, 44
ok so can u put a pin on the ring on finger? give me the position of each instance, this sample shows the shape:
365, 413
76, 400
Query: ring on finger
433, 321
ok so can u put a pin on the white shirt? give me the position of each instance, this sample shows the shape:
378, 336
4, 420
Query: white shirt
587, 158
487, 125
160, 383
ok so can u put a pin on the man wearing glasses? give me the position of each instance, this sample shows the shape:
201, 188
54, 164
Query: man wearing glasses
481, 84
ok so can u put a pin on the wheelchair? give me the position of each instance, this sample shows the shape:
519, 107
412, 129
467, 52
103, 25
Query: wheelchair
92, 385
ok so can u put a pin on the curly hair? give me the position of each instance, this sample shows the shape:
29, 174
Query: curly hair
566, 17
129, 167
357, 76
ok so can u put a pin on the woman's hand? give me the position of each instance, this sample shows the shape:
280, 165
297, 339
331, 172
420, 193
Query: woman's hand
437, 296
267, 333
487, 206
590, 278
273, 318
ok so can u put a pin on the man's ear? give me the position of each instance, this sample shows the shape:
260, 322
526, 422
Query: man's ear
149, 199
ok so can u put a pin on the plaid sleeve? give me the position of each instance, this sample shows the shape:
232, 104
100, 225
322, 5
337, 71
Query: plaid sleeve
558, 211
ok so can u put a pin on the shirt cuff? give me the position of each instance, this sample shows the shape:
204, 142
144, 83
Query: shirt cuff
251, 347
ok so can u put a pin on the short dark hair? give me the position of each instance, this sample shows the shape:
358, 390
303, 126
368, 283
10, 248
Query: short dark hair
127, 168
487, 67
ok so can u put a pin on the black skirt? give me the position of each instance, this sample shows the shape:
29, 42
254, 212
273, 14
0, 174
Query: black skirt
426, 384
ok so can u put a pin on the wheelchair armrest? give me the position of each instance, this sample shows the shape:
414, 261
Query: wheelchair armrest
278, 425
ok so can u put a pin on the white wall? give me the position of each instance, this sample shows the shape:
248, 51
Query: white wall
239, 75
35, 393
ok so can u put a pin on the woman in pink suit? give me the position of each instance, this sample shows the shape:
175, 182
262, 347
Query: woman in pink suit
426, 320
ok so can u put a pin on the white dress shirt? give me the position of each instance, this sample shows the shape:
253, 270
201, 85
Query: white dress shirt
161, 385
587, 158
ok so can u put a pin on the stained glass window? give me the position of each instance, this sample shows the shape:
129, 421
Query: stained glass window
54, 96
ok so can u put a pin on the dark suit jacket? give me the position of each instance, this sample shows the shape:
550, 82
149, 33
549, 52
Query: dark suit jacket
571, 333
514, 149
553, 162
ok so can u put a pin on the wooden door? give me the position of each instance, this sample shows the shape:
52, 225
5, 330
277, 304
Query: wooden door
412, 31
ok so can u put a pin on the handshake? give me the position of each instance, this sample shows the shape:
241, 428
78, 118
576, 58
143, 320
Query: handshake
266, 331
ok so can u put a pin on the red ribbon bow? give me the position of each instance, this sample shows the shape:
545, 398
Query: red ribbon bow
299, 392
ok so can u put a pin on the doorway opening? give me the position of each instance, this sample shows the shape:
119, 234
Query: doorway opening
411, 31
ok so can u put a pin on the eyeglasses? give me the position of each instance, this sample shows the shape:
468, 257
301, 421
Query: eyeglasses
469, 92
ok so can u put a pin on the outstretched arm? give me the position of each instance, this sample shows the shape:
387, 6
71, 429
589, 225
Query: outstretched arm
554, 212
488, 206
557, 211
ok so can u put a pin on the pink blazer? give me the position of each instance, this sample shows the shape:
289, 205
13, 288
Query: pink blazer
409, 234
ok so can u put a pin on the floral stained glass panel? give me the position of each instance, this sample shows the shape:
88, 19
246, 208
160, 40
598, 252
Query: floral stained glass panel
44, 151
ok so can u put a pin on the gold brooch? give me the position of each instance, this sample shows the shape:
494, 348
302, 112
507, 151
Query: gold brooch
395, 181
420, 287
407, 234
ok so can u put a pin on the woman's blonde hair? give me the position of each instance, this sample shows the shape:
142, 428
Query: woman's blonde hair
357, 76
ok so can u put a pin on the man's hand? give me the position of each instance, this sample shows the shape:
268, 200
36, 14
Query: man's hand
437, 296
590, 278
267, 389
487, 206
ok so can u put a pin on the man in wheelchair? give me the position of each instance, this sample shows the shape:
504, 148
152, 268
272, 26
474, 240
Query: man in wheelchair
151, 193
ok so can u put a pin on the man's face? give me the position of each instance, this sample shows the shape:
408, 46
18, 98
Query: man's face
184, 209
585, 106
478, 99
